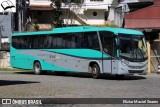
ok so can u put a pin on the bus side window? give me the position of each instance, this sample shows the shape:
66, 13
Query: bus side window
78, 40
25, 43
84, 43
73, 43
15, 42
54, 42
108, 42
46, 42
92, 40
49, 39
95, 42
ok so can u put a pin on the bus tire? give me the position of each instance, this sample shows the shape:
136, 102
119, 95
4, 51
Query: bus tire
37, 68
95, 70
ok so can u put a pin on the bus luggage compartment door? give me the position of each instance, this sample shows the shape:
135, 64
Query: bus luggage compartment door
114, 66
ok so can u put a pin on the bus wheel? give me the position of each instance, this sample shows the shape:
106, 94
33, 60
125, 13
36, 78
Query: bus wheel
95, 71
37, 68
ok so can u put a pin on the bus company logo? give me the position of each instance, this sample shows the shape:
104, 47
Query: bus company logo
8, 6
6, 101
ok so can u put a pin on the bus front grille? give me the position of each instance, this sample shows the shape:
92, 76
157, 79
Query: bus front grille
136, 71
136, 67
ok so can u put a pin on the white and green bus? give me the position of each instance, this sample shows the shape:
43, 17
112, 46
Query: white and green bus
115, 51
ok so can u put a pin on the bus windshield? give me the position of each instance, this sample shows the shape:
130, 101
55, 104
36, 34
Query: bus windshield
132, 47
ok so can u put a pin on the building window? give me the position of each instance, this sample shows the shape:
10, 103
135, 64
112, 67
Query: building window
94, 13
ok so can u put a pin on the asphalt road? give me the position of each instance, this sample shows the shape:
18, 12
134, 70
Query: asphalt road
77, 85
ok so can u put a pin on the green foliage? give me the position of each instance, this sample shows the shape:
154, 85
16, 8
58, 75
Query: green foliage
57, 18
14, 69
36, 26
57, 12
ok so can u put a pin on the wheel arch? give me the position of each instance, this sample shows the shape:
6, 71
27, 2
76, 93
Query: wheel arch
95, 62
39, 62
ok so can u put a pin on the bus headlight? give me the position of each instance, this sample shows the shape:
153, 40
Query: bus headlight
124, 62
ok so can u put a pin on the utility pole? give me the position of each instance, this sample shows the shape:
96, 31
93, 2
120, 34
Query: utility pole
19, 16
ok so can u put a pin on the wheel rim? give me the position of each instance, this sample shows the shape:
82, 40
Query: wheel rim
94, 70
37, 68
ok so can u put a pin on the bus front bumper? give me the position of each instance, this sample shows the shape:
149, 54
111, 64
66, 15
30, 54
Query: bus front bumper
133, 68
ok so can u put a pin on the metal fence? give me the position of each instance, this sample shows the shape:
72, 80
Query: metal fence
155, 56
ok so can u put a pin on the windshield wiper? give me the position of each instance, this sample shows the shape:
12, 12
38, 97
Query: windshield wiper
141, 52
138, 52
132, 54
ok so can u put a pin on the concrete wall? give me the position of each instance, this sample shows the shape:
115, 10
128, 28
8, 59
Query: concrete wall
118, 17
87, 17
5, 25
95, 20
4, 60
97, 4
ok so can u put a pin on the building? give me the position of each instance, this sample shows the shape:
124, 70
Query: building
11, 22
126, 6
87, 12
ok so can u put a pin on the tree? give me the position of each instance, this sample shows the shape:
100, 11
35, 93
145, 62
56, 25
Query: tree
57, 11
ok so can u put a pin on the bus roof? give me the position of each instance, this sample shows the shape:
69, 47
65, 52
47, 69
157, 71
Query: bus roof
123, 31
81, 29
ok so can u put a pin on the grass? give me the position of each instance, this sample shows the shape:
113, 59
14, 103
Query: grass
13, 69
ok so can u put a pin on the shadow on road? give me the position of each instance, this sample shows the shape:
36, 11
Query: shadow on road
105, 76
88, 75
25, 72
11, 82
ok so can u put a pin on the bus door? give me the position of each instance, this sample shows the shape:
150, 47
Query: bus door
114, 60
108, 49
